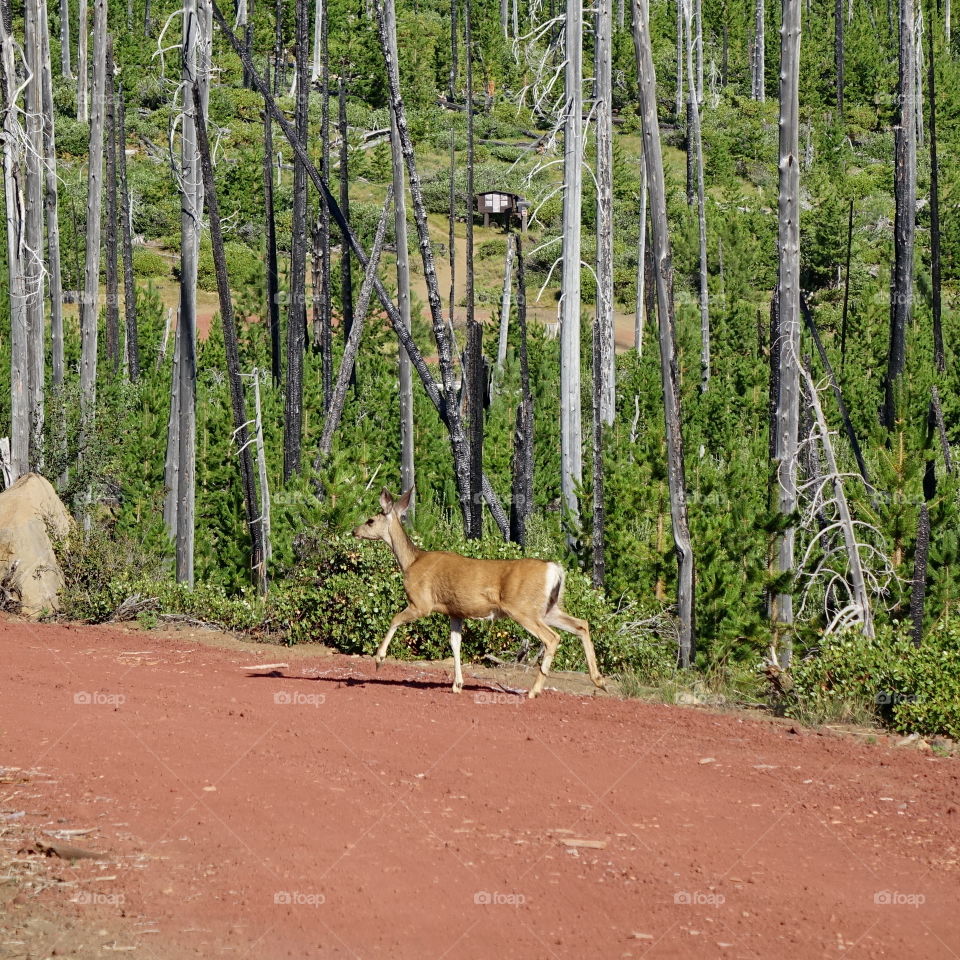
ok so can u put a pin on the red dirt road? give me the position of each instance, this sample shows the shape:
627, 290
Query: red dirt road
335, 812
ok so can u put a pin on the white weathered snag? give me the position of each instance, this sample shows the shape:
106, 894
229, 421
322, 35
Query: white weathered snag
526, 591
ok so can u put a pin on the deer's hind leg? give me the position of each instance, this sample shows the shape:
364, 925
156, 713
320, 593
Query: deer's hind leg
562, 620
407, 615
550, 640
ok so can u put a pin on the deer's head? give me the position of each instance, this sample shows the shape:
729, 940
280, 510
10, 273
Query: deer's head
380, 526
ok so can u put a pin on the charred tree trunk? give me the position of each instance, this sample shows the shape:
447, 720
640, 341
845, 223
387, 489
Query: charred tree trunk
521, 503
346, 372
653, 157
326, 309
273, 279
190, 219
838, 52
458, 439
904, 226
473, 368
111, 249
605, 387
346, 266
258, 567
939, 356
129, 284
297, 312
918, 590
638, 322
452, 198
571, 443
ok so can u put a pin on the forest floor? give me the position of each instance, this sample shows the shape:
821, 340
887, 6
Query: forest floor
264, 802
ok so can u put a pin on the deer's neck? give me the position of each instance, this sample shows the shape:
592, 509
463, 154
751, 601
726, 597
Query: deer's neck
404, 549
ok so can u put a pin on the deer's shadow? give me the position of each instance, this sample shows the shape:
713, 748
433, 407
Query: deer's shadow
412, 684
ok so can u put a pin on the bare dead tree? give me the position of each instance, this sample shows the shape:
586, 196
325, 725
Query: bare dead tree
346, 372
473, 379
51, 200
458, 439
939, 356
904, 226
326, 298
111, 248
273, 277
346, 265
83, 67
846, 291
838, 52
435, 392
521, 503
258, 567
13, 139
571, 442
65, 70
606, 387
89, 304
758, 60
653, 158
129, 284
297, 311
407, 465
35, 272
788, 313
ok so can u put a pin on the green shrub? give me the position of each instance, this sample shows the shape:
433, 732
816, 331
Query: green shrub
244, 266
150, 263
910, 689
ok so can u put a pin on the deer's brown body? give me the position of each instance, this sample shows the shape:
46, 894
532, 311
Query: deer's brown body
436, 581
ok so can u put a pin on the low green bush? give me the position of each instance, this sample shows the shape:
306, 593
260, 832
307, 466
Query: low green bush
909, 689
150, 263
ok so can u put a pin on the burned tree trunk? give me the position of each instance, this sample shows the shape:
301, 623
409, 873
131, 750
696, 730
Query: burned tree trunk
521, 503
939, 356
297, 312
473, 380
326, 310
273, 279
346, 266
571, 442
904, 225
238, 401
113, 305
838, 52
129, 284
653, 158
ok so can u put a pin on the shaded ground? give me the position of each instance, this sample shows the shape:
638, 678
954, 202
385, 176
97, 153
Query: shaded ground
322, 809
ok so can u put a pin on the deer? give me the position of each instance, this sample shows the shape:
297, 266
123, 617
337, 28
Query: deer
527, 591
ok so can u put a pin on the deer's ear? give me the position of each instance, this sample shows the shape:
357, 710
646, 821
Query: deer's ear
386, 500
403, 504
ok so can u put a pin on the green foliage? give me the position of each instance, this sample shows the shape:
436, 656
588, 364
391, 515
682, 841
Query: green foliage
910, 689
150, 263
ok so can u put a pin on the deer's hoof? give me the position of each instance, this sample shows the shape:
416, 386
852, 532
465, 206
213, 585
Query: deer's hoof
457, 688
378, 661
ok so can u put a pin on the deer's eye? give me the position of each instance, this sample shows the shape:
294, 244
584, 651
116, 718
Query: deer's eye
369, 522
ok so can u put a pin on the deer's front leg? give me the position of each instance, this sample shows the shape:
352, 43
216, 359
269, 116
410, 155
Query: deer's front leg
456, 628
406, 615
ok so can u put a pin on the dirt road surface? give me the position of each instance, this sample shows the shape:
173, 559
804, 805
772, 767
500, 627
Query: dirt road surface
323, 809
